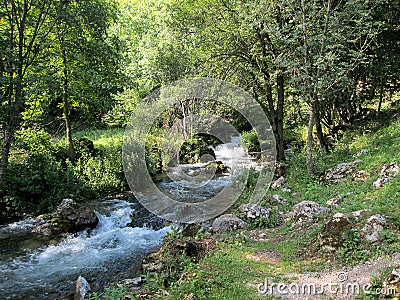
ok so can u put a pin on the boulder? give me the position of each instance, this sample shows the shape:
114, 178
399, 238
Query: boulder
75, 217
278, 183
278, 199
81, 288
388, 172
254, 211
373, 228
361, 175
338, 199
307, 212
340, 171
228, 223
331, 235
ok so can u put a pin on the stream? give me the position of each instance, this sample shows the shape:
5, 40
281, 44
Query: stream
35, 267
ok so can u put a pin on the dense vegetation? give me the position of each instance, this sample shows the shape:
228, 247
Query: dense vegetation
79, 68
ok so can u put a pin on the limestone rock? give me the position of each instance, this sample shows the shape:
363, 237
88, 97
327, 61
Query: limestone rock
336, 201
279, 199
340, 171
307, 211
228, 223
361, 175
78, 217
331, 235
81, 288
388, 172
373, 228
278, 183
254, 211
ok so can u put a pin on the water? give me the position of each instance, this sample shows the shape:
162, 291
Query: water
36, 267
191, 183
110, 250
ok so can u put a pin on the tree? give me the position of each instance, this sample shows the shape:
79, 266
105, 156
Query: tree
84, 61
240, 41
25, 26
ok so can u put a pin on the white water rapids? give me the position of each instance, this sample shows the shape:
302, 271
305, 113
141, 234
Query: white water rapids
101, 253
32, 269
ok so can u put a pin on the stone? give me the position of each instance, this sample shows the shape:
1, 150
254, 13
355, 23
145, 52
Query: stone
361, 176
374, 226
394, 277
78, 217
254, 211
336, 201
43, 229
340, 171
279, 199
307, 211
81, 288
228, 223
331, 234
361, 214
191, 296
278, 183
361, 152
388, 172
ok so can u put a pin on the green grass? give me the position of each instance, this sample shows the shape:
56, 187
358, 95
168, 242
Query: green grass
233, 270
101, 138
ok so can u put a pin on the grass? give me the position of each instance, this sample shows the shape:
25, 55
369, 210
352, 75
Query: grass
244, 260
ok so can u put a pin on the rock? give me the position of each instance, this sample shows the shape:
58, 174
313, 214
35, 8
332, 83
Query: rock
131, 283
307, 211
340, 172
331, 235
254, 211
361, 176
77, 217
361, 152
228, 223
191, 296
280, 168
394, 277
278, 183
388, 172
81, 288
43, 229
361, 214
286, 190
277, 198
338, 200
373, 228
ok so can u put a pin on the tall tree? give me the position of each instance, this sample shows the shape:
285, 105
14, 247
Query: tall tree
25, 26
84, 62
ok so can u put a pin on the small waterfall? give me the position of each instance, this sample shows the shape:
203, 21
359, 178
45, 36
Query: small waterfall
233, 155
98, 255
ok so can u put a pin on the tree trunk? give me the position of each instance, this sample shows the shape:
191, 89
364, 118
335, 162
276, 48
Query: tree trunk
321, 139
5, 153
310, 167
381, 96
66, 111
279, 116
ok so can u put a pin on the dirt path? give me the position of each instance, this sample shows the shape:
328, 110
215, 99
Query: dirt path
346, 283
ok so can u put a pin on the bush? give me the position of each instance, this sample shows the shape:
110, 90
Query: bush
250, 140
38, 182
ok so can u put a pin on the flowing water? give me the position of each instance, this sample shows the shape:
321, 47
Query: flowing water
34, 267
99, 254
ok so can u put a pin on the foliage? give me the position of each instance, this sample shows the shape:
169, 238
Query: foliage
110, 293
250, 141
37, 179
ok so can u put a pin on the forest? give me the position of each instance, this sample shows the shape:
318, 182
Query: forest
325, 73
